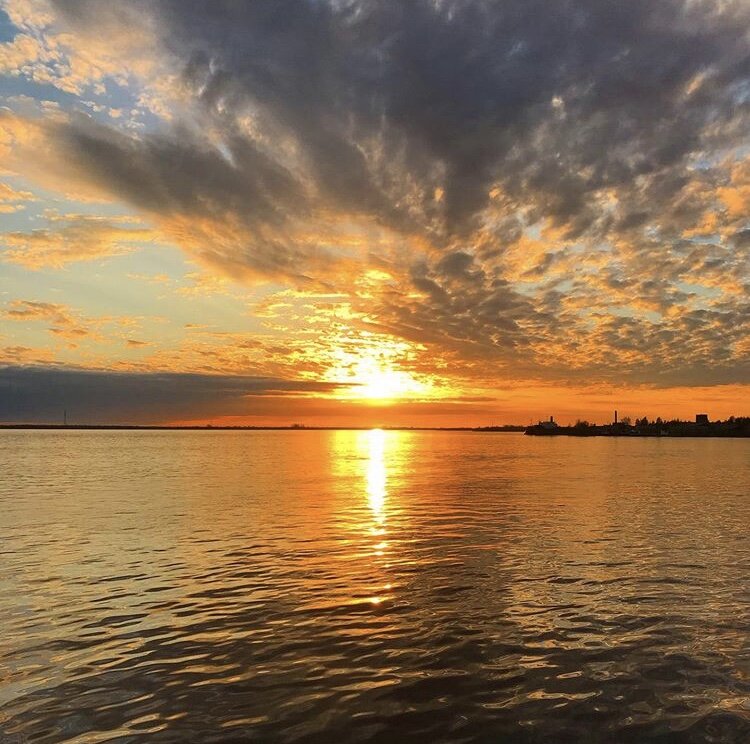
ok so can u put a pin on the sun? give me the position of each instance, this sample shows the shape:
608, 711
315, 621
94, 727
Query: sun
373, 381
370, 368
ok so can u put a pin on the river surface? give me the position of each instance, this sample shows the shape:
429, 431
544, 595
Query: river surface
332, 587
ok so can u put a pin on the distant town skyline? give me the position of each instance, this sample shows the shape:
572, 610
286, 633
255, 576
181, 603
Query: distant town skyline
373, 214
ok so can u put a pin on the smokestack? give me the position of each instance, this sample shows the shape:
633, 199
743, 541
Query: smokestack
615, 416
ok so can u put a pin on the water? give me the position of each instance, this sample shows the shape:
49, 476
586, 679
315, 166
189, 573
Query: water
298, 586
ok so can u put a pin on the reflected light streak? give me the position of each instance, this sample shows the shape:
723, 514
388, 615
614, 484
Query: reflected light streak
377, 479
378, 446
376, 476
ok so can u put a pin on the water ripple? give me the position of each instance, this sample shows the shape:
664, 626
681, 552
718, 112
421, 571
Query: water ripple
372, 587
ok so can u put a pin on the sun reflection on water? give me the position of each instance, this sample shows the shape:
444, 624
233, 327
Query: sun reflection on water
376, 475
376, 487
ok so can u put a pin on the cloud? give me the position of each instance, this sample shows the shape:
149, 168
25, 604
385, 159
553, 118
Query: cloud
551, 190
40, 394
25, 355
57, 314
46, 52
203, 285
63, 321
11, 200
71, 239
70, 325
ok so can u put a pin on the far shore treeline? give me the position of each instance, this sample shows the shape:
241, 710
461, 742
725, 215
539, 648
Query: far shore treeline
734, 426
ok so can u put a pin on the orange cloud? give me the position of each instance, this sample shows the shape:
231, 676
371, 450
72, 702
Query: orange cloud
63, 321
78, 238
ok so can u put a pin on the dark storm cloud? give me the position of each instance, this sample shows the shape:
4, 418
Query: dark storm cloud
41, 394
467, 124
238, 201
553, 101
181, 173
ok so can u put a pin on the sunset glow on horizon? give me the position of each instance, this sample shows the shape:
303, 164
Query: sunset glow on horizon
427, 214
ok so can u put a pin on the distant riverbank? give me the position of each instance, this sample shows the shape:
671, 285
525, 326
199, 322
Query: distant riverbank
211, 427
735, 428
732, 427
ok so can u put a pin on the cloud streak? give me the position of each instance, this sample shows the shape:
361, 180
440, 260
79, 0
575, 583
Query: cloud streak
41, 394
69, 240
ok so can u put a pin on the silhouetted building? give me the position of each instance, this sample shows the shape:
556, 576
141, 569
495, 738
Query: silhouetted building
548, 424
701, 418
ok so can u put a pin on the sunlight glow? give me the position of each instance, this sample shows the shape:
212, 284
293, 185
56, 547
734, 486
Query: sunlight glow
376, 382
376, 474
372, 368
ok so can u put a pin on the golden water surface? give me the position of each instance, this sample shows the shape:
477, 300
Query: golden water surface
309, 586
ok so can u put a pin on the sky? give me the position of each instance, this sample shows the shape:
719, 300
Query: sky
444, 213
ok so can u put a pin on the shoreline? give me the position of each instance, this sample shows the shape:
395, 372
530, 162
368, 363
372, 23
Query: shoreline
672, 430
688, 430
167, 427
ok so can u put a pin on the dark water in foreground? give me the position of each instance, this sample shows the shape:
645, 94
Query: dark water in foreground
370, 586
